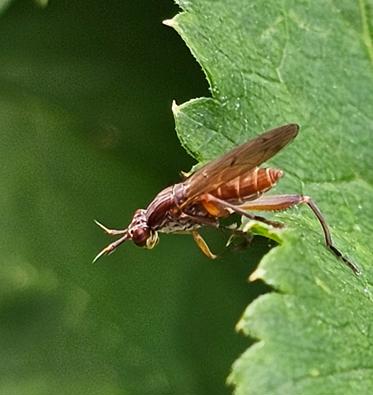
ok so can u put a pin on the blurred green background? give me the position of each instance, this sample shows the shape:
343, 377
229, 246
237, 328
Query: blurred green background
87, 132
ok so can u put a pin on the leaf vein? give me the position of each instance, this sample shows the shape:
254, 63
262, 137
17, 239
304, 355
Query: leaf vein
367, 38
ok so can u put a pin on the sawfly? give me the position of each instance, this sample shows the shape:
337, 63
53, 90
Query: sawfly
232, 183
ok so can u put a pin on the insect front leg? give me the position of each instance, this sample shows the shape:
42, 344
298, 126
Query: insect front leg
201, 243
283, 202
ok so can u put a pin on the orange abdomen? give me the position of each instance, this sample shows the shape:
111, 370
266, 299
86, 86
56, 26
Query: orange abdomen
248, 186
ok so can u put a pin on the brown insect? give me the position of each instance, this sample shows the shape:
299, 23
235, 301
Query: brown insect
232, 183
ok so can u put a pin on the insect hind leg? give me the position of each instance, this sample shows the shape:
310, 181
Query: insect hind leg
283, 202
221, 208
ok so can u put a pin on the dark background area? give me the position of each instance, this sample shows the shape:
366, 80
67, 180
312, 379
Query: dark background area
87, 132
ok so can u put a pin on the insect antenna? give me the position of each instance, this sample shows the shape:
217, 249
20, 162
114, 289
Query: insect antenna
113, 246
110, 232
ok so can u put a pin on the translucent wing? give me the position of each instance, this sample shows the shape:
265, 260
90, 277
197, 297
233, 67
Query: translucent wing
239, 160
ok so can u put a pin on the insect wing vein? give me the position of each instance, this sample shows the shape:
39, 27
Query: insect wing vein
238, 161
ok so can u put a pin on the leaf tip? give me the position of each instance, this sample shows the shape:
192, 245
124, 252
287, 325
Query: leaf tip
169, 22
240, 326
257, 274
175, 108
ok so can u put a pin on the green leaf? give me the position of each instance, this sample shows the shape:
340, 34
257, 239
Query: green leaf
269, 63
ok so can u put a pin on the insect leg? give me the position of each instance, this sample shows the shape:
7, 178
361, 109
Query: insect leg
222, 208
282, 202
203, 245
111, 232
215, 223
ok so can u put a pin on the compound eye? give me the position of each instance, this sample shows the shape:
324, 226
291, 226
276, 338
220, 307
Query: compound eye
140, 236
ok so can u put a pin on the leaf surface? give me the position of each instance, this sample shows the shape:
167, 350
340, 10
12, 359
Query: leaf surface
271, 63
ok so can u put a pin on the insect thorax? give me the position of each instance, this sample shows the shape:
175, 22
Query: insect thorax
166, 215
190, 218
